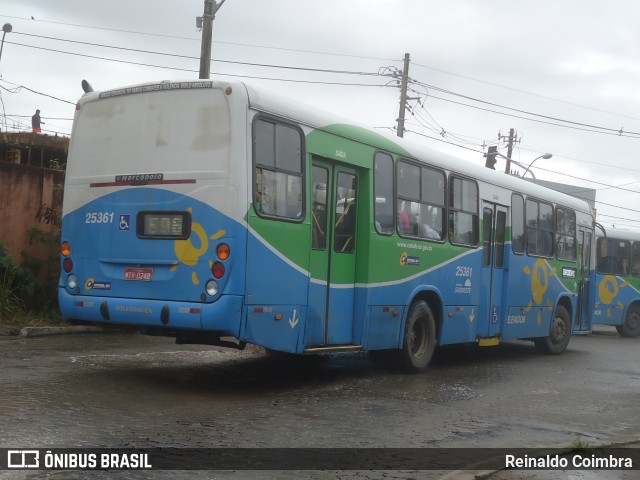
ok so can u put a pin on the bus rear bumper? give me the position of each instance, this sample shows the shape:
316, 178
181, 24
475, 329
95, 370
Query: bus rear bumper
223, 316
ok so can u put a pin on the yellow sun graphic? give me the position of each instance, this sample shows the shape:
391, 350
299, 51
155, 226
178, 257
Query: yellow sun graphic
190, 250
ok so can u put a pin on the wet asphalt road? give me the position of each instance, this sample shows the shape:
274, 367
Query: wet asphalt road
128, 390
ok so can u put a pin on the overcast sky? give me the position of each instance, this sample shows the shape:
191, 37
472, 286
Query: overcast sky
564, 74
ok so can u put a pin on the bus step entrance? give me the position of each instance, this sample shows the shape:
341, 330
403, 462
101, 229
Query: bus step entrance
489, 342
334, 348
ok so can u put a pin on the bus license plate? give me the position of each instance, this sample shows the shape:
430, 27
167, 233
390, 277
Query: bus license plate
139, 274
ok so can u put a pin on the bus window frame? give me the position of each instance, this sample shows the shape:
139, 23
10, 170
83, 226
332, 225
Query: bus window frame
628, 256
302, 174
635, 259
523, 249
564, 234
393, 194
538, 229
451, 210
422, 166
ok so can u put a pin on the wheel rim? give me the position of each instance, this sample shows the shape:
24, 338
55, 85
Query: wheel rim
558, 329
633, 320
418, 339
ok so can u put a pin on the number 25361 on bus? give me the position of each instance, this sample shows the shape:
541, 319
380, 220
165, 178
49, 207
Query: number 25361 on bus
139, 274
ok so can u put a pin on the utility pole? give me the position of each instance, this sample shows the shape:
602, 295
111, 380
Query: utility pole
512, 139
403, 95
210, 10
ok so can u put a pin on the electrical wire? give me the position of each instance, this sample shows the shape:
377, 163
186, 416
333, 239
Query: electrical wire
466, 77
151, 52
315, 52
572, 125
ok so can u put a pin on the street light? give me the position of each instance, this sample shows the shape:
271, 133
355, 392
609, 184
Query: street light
546, 156
6, 28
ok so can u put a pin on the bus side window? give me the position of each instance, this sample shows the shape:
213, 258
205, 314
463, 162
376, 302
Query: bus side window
540, 228
383, 193
517, 223
345, 218
463, 212
421, 201
277, 155
635, 259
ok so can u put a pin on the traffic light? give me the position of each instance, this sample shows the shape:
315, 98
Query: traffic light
491, 154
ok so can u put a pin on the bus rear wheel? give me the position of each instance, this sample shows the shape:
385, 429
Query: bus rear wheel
631, 325
559, 335
419, 338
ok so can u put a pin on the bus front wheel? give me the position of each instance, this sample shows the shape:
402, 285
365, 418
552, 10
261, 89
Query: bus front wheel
559, 335
419, 338
631, 325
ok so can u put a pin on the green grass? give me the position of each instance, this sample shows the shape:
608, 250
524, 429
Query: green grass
580, 446
21, 319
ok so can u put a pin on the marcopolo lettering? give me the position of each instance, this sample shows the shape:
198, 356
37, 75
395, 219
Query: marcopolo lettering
141, 177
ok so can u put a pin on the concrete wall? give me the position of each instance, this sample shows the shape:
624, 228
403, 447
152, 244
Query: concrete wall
23, 189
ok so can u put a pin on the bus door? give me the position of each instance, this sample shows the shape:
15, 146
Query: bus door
494, 222
583, 318
334, 204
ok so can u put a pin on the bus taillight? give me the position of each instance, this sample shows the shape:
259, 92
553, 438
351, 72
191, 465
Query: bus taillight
217, 270
65, 249
67, 265
223, 251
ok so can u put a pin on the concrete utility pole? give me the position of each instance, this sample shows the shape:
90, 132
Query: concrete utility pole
403, 95
512, 139
210, 10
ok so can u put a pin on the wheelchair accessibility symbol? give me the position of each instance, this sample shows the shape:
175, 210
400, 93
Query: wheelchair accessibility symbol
124, 222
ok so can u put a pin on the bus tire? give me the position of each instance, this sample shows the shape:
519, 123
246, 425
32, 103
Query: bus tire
631, 325
419, 338
560, 333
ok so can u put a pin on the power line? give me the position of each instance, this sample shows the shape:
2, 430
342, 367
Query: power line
571, 124
315, 52
20, 87
197, 58
192, 70
466, 77
587, 127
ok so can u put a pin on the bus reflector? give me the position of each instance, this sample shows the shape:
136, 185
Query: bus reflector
223, 251
65, 249
217, 270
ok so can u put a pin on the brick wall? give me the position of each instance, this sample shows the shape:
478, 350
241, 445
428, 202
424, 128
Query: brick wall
23, 189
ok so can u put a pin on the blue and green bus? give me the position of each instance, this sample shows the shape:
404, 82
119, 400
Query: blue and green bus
616, 281
220, 213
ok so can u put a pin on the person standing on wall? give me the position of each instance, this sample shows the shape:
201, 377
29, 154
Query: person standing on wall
36, 121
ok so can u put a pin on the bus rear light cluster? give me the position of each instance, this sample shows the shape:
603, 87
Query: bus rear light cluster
223, 252
67, 265
65, 251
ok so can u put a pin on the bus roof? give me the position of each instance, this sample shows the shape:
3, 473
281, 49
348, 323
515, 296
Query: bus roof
619, 234
275, 104
272, 103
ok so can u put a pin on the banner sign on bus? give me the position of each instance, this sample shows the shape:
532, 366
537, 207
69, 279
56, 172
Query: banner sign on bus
156, 87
